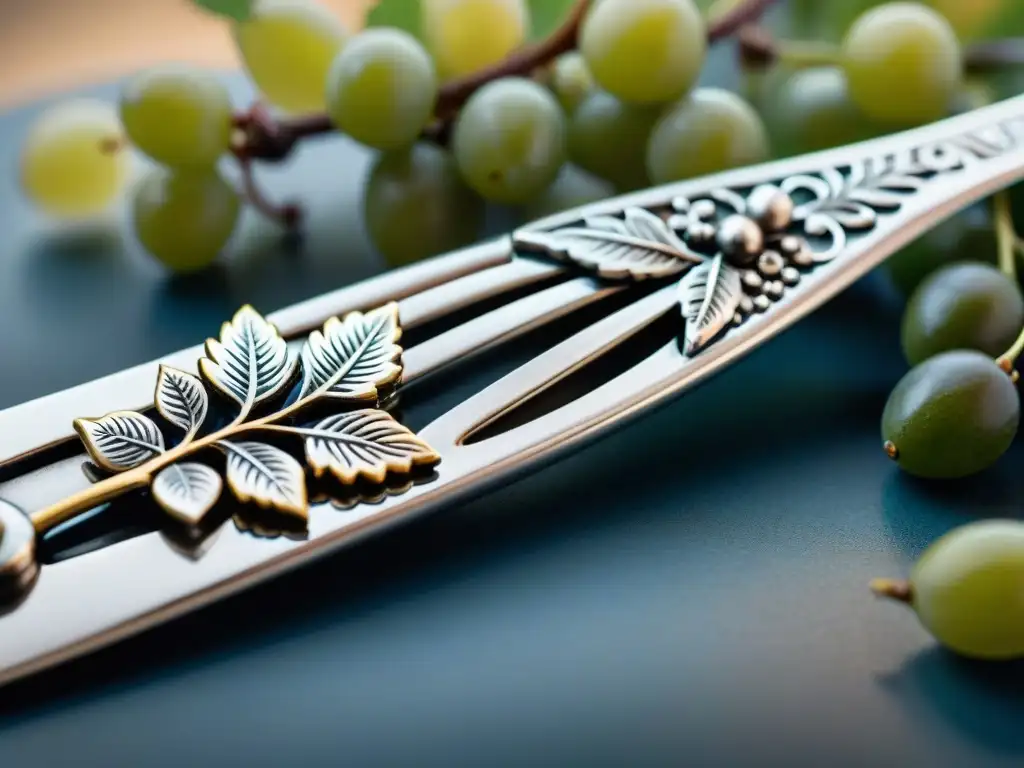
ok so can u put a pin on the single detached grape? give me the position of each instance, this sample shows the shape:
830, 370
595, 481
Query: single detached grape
73, 162
811, 110
968, 305
509, 140
571, 81
465, 36
178, 115
609, 138
287, 47
381, 88
644, 51
416, 205
966, 236
710, 130
184, 218
966, 590
951, 416
573, 187
903, 63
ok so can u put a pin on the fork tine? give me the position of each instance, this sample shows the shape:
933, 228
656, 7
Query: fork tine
501, 325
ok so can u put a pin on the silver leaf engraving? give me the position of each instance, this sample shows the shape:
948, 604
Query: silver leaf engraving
250, 363
639, 246
709, 296
120, 440
265, 475
366, 443
187, 490
181, 399
354, 357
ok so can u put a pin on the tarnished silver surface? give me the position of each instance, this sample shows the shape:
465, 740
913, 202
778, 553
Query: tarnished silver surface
737, 258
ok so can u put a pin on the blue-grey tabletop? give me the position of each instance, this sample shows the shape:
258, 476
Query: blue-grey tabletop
689, 591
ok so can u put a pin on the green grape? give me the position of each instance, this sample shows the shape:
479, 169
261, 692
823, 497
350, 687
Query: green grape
966, 590
903, 63
644, 51
416, 205
287, 47
710, 130
571, 81
609, 138
184, 217
967, 305
509, 140
967, 236
178, 115
73, 161
573, 187
810, 110
951, 416
381, 88
465, 36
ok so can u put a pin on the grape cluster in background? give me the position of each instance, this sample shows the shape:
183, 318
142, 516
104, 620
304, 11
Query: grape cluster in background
545, 105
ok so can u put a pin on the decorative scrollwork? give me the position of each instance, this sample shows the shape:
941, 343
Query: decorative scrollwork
737, 251
349, 360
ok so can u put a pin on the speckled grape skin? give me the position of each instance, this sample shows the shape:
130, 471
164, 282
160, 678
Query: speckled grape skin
951, 416
962, 306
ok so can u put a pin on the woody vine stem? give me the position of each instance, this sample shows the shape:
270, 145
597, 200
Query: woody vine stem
263, 137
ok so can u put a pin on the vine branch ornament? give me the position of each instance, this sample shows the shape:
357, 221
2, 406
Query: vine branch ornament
349, 363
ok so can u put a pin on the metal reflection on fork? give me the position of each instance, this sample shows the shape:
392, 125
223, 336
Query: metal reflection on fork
734, 258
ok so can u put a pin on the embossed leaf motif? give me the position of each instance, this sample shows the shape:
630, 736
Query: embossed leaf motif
352, 358
250, 363
187, 490
265, 475
366, 443
638, 246
181, 398
709, 296
120, 440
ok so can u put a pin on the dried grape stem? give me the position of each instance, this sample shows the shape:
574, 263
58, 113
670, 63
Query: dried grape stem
287, 215
893, 589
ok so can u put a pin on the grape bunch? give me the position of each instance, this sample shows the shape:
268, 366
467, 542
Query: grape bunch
457, 108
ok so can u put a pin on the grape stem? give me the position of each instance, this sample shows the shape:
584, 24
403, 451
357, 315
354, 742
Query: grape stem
758, 48
893, 589
262, 136
288, 214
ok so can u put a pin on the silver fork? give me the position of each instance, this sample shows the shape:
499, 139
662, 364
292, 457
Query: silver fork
737, 257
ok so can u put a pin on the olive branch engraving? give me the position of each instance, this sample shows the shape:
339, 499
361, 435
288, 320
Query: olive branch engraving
348, 362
